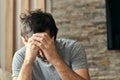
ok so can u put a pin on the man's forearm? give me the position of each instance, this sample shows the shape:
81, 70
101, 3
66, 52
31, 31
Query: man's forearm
65, 72
25, 72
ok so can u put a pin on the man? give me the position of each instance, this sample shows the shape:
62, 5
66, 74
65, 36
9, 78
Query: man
44, 57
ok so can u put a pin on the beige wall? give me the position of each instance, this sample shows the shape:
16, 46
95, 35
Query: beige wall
85, 20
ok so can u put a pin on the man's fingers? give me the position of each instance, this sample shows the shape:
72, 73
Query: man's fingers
30, 40
40, 45
42, 35
39, 39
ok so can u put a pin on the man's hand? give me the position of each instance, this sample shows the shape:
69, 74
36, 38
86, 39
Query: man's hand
47, 46
31, 51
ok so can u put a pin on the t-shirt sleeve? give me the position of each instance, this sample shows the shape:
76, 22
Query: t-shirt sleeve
17, 63
78, 58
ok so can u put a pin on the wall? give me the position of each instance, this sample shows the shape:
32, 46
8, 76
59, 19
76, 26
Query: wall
85, 21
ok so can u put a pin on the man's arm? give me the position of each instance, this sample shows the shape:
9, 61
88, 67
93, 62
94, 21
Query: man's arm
67, 74
30, 55
25, 72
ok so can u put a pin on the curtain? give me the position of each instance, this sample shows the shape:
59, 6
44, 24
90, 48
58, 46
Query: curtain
10, 40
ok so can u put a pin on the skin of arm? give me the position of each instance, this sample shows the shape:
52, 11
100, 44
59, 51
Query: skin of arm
67, 74
26, 69
26, 72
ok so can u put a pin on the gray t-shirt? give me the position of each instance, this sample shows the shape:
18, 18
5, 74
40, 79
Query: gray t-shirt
71, 52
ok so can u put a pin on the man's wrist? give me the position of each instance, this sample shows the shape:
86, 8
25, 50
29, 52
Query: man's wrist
28, 62
57, 62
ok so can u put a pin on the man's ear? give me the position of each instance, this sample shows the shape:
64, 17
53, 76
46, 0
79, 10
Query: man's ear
24, 40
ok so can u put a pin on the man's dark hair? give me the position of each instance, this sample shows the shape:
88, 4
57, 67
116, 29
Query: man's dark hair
37, 21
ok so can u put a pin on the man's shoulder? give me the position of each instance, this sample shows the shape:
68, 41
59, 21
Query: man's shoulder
21, 51
67, 42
